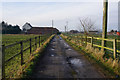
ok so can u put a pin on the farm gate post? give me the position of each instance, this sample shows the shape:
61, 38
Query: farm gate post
81, 40
3, 62
114, 47
30, 46
21, 43
39, 41
91, 41
35, 43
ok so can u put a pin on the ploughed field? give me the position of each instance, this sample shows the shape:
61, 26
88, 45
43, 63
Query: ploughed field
13, 65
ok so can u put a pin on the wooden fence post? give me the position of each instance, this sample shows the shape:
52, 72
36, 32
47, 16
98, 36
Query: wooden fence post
114, 45
104, 29
77, 40
35, 42
81, 40
85, 40
91, 41
21, 53
3, 62
30, 46
39, 41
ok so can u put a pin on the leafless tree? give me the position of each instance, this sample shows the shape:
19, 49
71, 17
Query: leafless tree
87, 25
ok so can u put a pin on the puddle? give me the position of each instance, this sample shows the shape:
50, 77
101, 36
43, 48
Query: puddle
66, 45
40, 71
60, 38
52, 49
52, 55
69, 49
76, 62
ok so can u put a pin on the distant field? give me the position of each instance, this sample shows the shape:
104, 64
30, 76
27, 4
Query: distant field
99, 35
108, 36
11, 38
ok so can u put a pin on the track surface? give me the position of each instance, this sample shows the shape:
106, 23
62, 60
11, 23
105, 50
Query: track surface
61, 61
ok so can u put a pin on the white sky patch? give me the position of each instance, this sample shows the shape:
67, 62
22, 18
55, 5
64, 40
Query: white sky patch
0, 11
41, 13
113, 16
57, 0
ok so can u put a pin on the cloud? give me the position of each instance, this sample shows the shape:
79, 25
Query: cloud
57, 0
41, 14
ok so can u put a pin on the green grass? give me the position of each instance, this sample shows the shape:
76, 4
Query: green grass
12, 67
109, 44
9, 39
96, 56
29, 71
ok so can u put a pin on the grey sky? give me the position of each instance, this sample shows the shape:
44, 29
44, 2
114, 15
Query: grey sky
41, 13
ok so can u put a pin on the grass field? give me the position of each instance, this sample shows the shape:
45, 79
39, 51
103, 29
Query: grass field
13, 65
9, 38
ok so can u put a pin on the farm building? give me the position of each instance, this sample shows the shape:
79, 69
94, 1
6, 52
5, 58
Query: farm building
74, 31
93, 32
42, 30
28, 29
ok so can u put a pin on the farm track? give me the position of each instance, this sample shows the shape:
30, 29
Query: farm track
61, 61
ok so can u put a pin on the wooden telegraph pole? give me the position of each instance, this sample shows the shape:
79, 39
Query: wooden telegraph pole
67, 26
65, 29
52, 23
104, 31
52, 26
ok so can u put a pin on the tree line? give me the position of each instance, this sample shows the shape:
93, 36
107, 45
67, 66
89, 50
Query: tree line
9, 29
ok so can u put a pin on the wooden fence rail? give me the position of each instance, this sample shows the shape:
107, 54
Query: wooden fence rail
114, 41
21, 51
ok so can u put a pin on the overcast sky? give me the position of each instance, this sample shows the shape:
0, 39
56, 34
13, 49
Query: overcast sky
40, 13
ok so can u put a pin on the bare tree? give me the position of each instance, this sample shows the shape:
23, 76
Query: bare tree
87, 24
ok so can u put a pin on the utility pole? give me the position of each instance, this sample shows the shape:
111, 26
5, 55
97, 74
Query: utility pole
52, 26
52, 23
67, 26
65, 29
104, 31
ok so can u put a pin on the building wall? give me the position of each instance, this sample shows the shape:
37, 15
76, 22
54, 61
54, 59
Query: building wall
26, 27
44, 30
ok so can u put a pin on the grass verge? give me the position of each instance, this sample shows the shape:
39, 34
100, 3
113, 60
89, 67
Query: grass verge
110, 68
26, 70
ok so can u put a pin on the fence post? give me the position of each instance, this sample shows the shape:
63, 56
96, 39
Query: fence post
21, 53
3, 62
35, 42
30, 46
85, 40
91, 41
114, 45
81, 40
77, 40
39, 41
